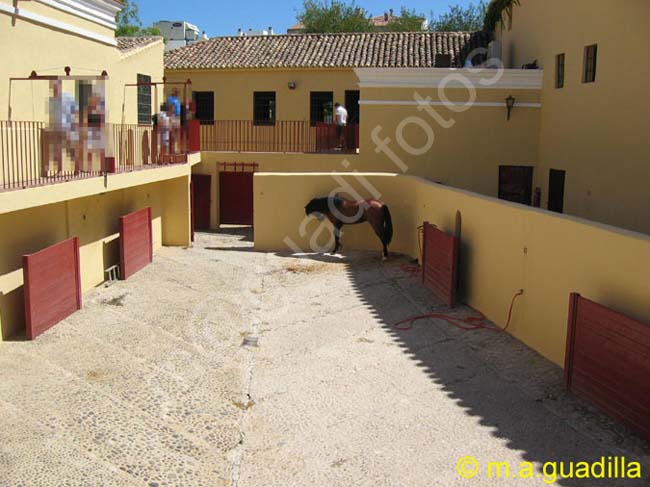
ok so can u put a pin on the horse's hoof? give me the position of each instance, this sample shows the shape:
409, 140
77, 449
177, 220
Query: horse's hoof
384, 258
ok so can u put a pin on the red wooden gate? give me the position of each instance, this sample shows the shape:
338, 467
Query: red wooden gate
440, 263
136, 242
52, 286
608, 361
236, 193
201, 199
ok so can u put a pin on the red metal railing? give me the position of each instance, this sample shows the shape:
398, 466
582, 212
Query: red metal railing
32, 155
280, 136
136, 147
21, 157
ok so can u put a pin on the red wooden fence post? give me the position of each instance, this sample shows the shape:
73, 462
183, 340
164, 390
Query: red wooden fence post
574, 299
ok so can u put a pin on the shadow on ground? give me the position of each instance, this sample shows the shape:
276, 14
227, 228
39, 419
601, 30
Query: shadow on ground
505, 385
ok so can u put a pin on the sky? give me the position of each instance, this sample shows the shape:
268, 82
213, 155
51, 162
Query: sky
219, 18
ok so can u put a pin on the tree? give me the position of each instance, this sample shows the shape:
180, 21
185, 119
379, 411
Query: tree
459, 18
129, 23
497, 12
319, 16
408, 21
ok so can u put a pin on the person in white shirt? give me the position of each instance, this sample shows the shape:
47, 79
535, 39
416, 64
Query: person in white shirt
62, 134
164, 125
341, 116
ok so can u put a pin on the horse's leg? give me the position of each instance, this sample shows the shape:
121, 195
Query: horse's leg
377, 226
337, 237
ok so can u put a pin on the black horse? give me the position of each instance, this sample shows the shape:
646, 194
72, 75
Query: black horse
341, 212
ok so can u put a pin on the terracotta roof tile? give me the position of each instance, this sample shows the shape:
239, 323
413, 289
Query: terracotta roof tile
385, 49
127, 44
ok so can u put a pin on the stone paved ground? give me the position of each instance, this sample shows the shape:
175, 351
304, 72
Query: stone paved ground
149, 385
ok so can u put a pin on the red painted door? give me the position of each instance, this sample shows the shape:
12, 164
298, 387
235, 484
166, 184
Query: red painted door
236, 197
52, 286
201, 200
440, 263
608, 361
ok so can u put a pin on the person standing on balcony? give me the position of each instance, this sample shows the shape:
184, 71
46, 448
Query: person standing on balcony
341, 117
175, 111
62, 134
95, 141
163, 125
175, 102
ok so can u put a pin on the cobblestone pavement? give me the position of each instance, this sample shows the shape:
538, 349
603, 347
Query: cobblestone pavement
151, 384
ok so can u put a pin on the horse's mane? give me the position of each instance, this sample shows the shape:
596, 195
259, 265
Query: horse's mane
323, 205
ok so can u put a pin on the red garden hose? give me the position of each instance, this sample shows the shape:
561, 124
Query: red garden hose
467, 324
414, 269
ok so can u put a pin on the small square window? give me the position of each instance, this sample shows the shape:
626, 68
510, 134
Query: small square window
591, 58
559, 71
204, 102
264, 108
321, 107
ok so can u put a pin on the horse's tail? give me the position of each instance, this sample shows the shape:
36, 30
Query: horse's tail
387, 234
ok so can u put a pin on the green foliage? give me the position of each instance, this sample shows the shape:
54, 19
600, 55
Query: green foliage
408, 21
461, 19
129, 23
496, 12
320, 16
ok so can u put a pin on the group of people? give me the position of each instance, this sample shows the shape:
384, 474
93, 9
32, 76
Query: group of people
75, 139
168, 122
76, 129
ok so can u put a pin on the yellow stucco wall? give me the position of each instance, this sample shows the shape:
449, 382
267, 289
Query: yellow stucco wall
94, 219
467, 154
505, 247
596, 132
233, 89
29, 46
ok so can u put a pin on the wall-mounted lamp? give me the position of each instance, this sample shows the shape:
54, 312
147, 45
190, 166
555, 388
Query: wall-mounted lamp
292, 85
510, 104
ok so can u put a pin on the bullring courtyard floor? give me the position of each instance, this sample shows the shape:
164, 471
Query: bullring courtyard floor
158, 382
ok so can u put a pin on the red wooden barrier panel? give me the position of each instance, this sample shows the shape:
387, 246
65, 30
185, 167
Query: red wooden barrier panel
440, 263
136, 242
608, 361
194, 135
52, 286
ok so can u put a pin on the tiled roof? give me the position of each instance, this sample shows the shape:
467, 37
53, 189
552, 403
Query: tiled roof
297, 26
386, 50
377, 21
127, 44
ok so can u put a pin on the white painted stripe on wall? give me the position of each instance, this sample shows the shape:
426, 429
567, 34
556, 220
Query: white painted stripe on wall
81, 11
26, 14
443, 104
480, 79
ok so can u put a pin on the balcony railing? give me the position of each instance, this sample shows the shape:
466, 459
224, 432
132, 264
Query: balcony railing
280, 136
32, 155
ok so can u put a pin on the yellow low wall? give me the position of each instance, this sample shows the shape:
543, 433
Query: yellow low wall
505, 247
95, 220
